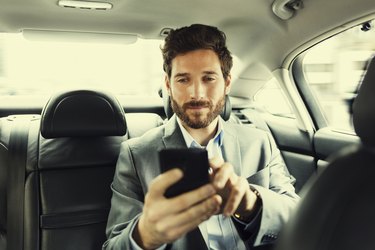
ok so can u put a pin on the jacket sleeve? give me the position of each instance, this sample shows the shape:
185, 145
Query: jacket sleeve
276, 188
126, 203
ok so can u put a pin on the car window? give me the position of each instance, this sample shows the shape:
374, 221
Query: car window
334, 68
34, 67
39, 67
272, 99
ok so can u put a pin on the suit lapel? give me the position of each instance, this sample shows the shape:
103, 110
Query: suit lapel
172, 135
231, 147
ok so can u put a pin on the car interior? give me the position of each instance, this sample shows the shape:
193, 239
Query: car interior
60, 132
337, 212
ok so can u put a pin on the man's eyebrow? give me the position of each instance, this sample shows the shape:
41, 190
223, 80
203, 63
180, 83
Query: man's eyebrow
181, 75
206, 72
210, 72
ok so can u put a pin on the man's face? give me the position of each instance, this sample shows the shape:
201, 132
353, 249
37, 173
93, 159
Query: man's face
197, 87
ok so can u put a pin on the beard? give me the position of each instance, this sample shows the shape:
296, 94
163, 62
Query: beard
197, 119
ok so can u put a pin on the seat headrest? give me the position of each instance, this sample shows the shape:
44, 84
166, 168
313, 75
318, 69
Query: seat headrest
82, 113
225, 113
364, 107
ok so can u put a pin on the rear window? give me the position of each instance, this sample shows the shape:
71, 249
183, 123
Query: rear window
34, 67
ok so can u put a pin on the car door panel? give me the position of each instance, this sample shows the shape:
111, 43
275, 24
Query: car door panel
295, 145
328, 142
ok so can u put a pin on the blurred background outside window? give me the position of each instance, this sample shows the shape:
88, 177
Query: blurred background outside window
334, 69
29, 67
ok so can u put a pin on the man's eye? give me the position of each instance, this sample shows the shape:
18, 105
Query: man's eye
182, 80
209, 79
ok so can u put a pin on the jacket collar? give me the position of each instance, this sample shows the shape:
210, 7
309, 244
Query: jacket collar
173, 137
231, 147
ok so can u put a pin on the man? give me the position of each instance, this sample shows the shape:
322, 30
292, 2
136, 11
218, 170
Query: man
251, 194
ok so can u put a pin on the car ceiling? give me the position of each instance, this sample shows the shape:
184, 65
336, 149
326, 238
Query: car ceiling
262, 41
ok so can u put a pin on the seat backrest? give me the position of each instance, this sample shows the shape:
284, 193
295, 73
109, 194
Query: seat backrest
72, 152
78, 145
7, 192
337, 208
3, 197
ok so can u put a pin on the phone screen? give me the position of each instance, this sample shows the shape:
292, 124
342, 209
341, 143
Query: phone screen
194, 164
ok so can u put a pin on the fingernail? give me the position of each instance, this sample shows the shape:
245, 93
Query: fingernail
216, 210
178, 172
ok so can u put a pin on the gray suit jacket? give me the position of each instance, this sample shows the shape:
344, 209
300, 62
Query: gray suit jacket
251, 151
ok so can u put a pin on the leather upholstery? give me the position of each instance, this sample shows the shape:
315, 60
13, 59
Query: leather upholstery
363, 107
138, 124
337, 207
72, 153
3, 198
81, 132
82, 113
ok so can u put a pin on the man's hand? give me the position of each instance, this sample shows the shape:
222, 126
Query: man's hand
165, 220
234, 190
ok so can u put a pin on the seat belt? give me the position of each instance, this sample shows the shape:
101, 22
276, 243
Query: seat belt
18, 143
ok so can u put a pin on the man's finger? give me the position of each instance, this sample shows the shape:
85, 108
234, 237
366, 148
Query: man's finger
216, 162
159, 185
192, 217
222, 175
188, 199
237, 193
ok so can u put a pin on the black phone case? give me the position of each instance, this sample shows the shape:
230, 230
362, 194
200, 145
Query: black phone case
194, 164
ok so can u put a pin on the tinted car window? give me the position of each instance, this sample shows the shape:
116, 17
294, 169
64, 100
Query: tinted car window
334, 69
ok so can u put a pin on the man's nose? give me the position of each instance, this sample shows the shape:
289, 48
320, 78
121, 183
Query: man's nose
197, 90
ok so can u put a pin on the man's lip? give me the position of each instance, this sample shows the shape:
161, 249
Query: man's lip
196, 107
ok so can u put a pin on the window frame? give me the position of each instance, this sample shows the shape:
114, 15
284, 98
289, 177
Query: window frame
309, 99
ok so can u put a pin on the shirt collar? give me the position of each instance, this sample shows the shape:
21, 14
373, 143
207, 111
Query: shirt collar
190, 142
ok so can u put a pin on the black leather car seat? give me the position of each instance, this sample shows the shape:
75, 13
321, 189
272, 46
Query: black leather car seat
67, 195
3, 197
337, 211
71, 153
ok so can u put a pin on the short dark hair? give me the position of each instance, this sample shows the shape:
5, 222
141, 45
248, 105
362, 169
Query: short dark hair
194, 37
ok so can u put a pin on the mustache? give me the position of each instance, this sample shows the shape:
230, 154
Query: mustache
197, 104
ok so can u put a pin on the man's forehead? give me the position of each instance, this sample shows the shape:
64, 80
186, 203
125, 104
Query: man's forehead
197, 64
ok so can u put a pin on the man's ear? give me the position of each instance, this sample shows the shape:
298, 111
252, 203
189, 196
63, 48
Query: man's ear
167, 84
228, 84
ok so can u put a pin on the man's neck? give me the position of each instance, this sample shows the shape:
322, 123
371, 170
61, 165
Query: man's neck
203, 135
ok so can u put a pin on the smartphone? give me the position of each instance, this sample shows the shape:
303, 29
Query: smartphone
194, 164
